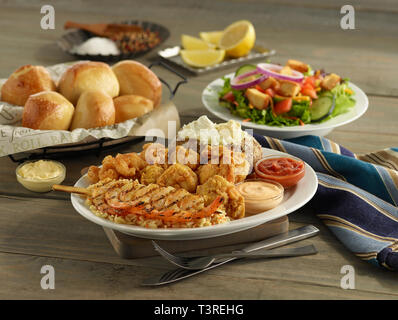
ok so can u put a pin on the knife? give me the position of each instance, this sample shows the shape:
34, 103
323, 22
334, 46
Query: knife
273, 242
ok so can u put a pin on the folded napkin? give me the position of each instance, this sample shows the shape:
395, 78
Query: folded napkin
357, 195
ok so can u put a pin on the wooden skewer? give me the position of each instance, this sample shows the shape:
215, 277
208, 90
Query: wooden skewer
69, 189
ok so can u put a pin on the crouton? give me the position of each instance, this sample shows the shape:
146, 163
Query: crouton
330, 81
286, 70
269, 83
289, 88
257, 99
297, 65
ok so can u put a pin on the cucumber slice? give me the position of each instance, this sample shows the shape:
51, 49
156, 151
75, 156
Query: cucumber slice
245, 69
321, 107
278, 98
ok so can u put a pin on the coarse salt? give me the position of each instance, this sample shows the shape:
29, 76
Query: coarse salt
96, 46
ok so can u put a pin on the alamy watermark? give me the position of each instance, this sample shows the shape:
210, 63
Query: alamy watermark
347, 21
348, 280
48, 19
48, 280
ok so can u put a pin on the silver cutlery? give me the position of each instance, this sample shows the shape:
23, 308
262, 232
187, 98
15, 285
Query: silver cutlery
194, 263
200, 262
273, 242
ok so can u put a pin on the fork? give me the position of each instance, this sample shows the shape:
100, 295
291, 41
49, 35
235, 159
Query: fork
195, 263
201, 262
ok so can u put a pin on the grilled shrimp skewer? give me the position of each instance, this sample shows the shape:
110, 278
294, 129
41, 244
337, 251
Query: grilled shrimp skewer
124, 197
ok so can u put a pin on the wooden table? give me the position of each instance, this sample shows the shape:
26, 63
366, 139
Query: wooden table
44, 229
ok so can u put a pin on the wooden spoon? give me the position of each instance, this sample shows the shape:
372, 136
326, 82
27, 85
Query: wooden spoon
103, 29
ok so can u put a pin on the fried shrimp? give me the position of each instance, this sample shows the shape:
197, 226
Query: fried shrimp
92, 174
129, 164
151, 173
154, 153
179, 176
217, 186
186, 157
108, 169
205, 172
224, 162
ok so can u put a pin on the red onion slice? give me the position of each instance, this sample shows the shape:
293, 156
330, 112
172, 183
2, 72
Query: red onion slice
271, 70
237, 84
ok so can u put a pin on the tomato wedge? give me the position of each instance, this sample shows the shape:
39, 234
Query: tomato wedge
283, 106
287, 171
270, 92
309, 90
310, 81
229, 96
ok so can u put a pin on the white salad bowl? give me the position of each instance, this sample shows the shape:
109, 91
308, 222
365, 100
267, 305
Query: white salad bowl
211, 101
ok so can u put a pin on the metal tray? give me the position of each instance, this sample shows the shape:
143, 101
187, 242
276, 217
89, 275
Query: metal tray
171, 55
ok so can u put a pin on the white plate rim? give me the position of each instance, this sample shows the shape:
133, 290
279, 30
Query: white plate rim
360, 107
203, 232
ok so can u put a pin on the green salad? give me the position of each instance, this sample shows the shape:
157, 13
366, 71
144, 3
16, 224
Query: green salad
288, 95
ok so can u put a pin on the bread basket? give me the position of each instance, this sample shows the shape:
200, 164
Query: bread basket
22, 144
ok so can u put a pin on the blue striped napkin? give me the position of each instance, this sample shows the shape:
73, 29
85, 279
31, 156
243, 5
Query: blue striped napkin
357, 195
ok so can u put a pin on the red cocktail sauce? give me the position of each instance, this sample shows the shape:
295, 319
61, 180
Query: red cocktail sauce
286, 171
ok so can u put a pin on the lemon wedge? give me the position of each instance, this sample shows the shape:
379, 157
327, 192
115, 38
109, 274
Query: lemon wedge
238, 39
192, 43
212, 37
202, 58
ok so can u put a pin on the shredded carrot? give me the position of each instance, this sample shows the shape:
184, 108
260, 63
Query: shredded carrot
295, 118
260, 89
246, 120
138, 210
299, 98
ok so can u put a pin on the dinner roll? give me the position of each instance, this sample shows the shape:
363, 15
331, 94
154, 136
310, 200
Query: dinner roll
131, 106
88, 76
47, 110
135, 78
25, 81
94, 109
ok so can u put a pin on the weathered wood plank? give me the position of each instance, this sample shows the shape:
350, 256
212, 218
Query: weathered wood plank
20, 278
51, 228
315, 39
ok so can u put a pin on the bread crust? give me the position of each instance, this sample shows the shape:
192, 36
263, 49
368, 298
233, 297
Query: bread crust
93, 109
135, 78
47, 110
131, 106
88, 76
25, 81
